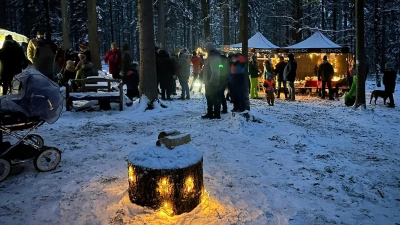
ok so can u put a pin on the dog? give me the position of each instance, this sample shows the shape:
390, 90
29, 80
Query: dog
379, 93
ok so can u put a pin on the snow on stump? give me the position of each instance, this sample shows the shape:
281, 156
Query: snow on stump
167, 176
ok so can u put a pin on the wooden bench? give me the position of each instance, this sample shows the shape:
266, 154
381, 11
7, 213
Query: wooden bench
93, 88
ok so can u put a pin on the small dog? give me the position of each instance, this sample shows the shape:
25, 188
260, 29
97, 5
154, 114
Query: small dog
378, 93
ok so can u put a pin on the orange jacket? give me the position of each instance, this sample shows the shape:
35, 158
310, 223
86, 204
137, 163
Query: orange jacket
269, 86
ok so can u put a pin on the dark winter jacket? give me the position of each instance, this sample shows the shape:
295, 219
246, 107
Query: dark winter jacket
44, 56
88, 55
165, 69
289, 73
126, 60
68, 75
12, 59
389, 80
325, 71
268, 67
279, 68
87, 70
212, 73
253, 69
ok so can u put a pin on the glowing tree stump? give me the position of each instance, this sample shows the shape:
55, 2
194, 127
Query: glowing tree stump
167, 176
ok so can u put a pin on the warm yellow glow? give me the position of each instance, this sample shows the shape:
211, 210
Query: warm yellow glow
189, 184
167, 209
336, 78
164, 186
131, 174
311, 56
204, 196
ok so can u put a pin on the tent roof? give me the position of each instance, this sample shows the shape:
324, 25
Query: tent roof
257, 41
17, 37
317, 40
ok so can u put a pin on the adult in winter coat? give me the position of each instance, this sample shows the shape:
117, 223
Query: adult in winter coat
212, 81
183, 73
32, 45
289, 74
113, 60
126, 60
325, 71
45, 55
279, 68
12, 59
253, 71
389, 80
196, 63
165, 72
240, 91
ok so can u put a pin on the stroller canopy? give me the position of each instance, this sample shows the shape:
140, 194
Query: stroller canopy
34, 94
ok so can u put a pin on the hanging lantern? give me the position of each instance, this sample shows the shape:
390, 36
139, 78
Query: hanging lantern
167, 176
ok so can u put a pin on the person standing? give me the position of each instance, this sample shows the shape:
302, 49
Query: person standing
13, 60
44, 56
113, 60
174, 58
289, 74
253, 71
239, 92
325, 71
212, 81
389, 80
269, 85
279, 68
126, 60
32, 45
183, 73
165, 73
196, 63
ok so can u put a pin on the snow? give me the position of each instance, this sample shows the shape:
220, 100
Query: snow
317, 40
257, 41
160, 157
308, 162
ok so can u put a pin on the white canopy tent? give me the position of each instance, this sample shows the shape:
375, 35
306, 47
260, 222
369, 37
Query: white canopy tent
258, 41
317, 43
17, 37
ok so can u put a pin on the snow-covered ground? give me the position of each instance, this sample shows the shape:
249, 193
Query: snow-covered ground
306, 162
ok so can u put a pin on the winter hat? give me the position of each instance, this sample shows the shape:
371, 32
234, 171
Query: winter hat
8, 37
194, 53
389, 65
82, 56
82, 46
210, 46
325, 58
291, 56
70, 66
184, 51
39, 33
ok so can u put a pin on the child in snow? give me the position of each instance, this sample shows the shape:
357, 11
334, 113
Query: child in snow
269, 85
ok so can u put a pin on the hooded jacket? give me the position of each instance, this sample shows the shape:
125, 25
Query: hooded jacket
183, 67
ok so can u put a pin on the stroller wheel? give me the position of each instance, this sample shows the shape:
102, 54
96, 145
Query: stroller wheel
47, 159
37, 139
5, 169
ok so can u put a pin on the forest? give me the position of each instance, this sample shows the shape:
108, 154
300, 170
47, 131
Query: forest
190, 23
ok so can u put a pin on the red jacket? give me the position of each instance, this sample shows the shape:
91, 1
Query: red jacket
113, 59
196, 64
269, 86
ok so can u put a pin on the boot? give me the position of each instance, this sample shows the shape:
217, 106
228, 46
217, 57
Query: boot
209, 115
216, 115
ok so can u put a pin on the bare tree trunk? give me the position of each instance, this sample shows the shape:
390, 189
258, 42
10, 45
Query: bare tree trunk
148, 78
378, 40
244, 8
226, 24
161, 23
205, 9
47, 15
360, 54
25, 19
111, 21
3, 14
94, 45
64, 15
299, 24
334, 18
323, 14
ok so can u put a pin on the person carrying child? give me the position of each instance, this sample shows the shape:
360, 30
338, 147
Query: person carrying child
269, 85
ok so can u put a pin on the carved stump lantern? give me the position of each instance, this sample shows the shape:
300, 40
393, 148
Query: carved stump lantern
167, 176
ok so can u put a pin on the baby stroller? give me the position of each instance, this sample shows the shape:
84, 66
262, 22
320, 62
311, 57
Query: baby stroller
34, 100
